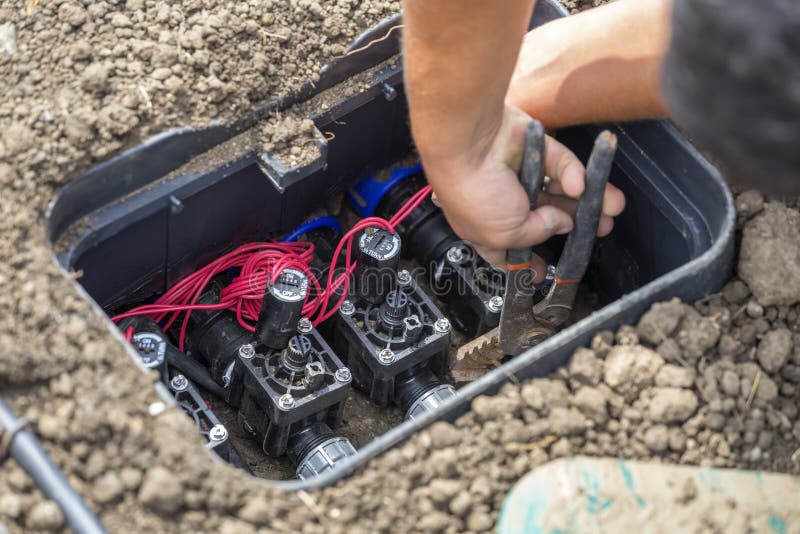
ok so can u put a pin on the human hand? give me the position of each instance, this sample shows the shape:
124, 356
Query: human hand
485, 204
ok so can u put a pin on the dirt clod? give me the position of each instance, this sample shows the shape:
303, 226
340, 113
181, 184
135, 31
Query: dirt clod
769, 260
629, 369
46, 516
161, 491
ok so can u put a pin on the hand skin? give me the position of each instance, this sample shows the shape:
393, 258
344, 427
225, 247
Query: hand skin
469, 129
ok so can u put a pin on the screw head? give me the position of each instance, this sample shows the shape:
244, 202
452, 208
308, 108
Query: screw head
179, 382
343, 374
455, 254
304, 325
247, 351
286, 401
218, 433
442, 325
495, 304
403, 277
386, 356
347, 308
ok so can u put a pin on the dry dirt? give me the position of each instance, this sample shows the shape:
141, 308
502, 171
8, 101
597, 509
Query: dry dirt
712, 384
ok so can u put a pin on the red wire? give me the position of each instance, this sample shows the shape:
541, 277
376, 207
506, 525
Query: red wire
260, 264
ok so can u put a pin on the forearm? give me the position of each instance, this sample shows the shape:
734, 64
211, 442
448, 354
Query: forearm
600, 65
459, 57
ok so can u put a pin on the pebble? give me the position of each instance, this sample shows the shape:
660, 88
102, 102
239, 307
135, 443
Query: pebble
768, 255
257, 510
657, 438
443, 434
161, 491
586, 367
10, 505
628, 370
660, 321
8, 38
591, 403
107, 488
675, 376
45, 515
566, 421
672, 405
774, 349
479, 522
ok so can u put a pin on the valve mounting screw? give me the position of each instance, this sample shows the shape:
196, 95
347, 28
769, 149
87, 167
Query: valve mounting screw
442, 325
347, 308
247, 351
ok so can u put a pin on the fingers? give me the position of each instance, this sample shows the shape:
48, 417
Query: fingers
542, 224
568, 175
565, 168
569, 205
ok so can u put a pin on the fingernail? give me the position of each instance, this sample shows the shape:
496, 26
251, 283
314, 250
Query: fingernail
564, 230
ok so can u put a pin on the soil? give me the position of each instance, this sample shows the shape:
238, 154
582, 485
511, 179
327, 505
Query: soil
710, 384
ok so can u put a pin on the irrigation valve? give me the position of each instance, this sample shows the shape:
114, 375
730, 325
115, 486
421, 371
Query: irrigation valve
391, 333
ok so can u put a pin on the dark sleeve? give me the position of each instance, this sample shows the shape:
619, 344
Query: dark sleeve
732, 81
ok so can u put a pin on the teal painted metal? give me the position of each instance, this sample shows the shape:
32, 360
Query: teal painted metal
611, 495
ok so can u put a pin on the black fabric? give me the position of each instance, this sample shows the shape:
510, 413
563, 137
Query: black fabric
732, 82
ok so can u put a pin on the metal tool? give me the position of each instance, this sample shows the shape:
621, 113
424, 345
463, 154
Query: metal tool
524, 324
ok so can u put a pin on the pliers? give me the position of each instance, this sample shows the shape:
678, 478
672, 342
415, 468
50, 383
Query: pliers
524, 324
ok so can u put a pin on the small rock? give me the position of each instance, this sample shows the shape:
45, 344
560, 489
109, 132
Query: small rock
10, 505
561, 449
566, 421
130, 477
479, 522
677, 439
8, 38
72, 13
107, 488
257, 510
443, 434
591, 403
767, 390
769, 259
660, 321
96, 77
675, 376
670, 350
657, 438
754, 310
585, 367
698, 336
443, 490
628, 370
774, 349
161, 491
49, 426
119, 20
672, 405
45, 515
433, 521
735, 291
460, 504
749, 203
730, 383
234, 526
488, 408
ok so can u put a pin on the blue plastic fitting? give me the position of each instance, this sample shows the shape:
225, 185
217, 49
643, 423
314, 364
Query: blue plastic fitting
368, 193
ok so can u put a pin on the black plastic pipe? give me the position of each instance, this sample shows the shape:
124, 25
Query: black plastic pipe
195, 371
29, 454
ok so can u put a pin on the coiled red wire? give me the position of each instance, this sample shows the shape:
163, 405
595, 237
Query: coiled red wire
260, 264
